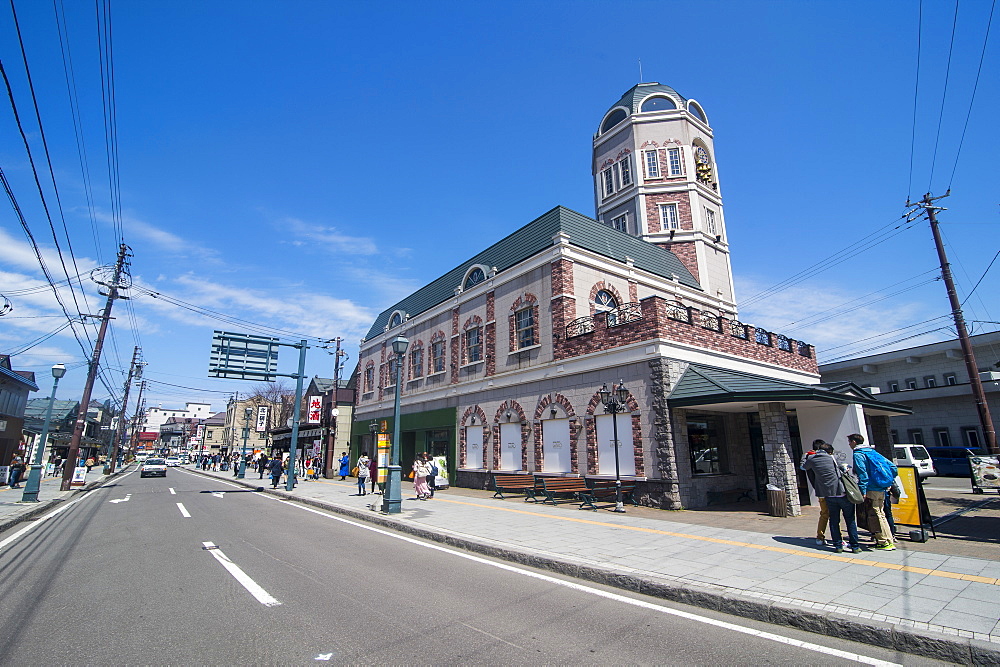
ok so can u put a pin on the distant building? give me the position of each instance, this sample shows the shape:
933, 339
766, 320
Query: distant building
14, 389
154, 418
325, 433
933, 380
508, 351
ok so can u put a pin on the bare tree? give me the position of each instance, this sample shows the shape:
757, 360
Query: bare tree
278, 395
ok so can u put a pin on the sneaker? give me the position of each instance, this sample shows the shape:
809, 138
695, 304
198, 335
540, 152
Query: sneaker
855, 550
886, 547
839, 550
820, 542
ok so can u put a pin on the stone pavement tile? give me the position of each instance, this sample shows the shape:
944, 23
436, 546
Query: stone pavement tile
924, 590
989, 609
803, 575
992, 569
859, 599
912, 607
898, 578
962, 565
703, 557
983, 593
957, 619
955, 585
779, 586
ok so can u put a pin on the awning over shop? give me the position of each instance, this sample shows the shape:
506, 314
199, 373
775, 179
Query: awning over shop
725, 390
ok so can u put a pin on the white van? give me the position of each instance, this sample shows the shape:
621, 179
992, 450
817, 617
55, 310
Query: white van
916, 456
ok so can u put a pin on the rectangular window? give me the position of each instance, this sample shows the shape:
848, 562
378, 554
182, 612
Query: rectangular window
911, 383
417, 362
950, 379
710, 221
915, 436
609, 181
652, 164
942, 437
370, 378
524, 325
970, 437
437, 356
668, 216
706, 441
894, 436
930, 381
625, 168
893, 386
620, 223
473, 346
390, 378
674, 161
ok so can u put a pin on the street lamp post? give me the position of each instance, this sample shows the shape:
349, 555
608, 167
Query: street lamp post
30, 494
614, 404
247, 416
392, 500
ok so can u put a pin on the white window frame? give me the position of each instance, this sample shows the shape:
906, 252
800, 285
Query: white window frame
522, 329
625, 170
434, 358
608, 181
710, 225
674, 164
669, 221
652, 167
623, 227
470, 345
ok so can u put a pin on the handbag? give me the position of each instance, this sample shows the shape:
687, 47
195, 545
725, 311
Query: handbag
852, 489
354, 472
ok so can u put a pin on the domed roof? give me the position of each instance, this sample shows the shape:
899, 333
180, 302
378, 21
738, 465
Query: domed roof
637, 93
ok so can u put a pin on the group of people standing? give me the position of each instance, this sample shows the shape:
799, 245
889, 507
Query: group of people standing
425, 473
875, 474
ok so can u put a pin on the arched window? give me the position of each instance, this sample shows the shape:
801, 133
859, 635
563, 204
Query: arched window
697, 112
476, 276
605, 302
395, 320
658, 104
615, 117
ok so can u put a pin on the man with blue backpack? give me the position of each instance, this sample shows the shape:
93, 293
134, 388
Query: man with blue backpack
875, 475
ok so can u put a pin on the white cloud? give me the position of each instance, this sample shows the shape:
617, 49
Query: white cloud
162, 239
307, 234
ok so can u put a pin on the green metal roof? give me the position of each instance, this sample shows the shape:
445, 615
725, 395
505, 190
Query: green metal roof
701, 385
637, 93
534, 238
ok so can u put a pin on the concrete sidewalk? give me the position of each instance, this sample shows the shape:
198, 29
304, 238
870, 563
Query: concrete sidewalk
932, 604
13, 511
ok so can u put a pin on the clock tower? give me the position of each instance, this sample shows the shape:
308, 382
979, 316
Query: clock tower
655, 177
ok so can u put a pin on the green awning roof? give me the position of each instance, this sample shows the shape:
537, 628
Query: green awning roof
707, 385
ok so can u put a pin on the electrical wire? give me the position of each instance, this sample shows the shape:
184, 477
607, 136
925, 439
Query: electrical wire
975, 87
944, 96
916, 95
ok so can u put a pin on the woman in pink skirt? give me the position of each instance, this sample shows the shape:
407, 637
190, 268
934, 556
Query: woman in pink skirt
421, 468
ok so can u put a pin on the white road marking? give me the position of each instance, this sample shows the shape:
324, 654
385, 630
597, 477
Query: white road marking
214, 481
325, 656
184, 512
172, 492
121, 500
35, 524
218, 494
252, 586
846, 655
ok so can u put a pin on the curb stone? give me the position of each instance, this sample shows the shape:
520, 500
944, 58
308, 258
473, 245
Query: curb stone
44, 505
958, 650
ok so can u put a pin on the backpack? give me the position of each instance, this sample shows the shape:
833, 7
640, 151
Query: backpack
882, 472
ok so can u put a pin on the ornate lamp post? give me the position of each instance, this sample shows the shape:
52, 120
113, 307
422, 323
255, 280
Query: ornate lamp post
247, 416
392, 500
30, 494
614, 404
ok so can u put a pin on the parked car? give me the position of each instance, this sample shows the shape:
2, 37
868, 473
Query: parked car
153, 468
173, 461
953, 460
916, 456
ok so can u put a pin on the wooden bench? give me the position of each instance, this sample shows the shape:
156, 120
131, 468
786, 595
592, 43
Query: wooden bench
730, 496
604, 490
560, 486
513, 482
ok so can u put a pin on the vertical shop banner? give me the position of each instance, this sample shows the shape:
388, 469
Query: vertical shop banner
907, 510
383, 458
261, 418
441, 480
4, 475
315, 410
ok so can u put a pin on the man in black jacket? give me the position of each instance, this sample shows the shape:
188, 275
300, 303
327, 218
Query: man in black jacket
826, 481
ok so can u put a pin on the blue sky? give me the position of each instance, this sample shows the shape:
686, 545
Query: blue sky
303, 165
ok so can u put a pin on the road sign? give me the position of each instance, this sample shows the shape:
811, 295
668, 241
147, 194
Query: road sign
243, 357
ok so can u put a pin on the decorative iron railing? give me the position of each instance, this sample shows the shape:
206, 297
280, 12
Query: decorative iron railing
738, 330
784, 343
580, 326
676, 311
803, 348
762, 337
711, 322
623, 314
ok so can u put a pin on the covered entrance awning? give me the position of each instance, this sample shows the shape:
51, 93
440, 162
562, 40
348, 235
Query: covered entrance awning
723, 390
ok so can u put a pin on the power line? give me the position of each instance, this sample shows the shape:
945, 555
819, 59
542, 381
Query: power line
944, 95
916, 91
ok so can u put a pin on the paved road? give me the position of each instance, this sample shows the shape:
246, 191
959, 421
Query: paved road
122, 575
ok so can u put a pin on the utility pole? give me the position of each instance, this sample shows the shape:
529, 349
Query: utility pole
985, 420
140, 409
135, 370
334, 414
121, 269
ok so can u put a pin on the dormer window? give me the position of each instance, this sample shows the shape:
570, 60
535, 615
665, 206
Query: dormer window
476, 276
396, 319
613, 119
657, 104
697, 112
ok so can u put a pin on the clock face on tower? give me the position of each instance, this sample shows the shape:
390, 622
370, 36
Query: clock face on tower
704, 165
701, 155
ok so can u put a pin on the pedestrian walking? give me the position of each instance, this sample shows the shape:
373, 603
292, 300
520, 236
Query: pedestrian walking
262, 465
345, 465
276, 469
824, 474
824, 512
875, 476
421, 468
373, 473
432, 475
364, 471
90, 463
